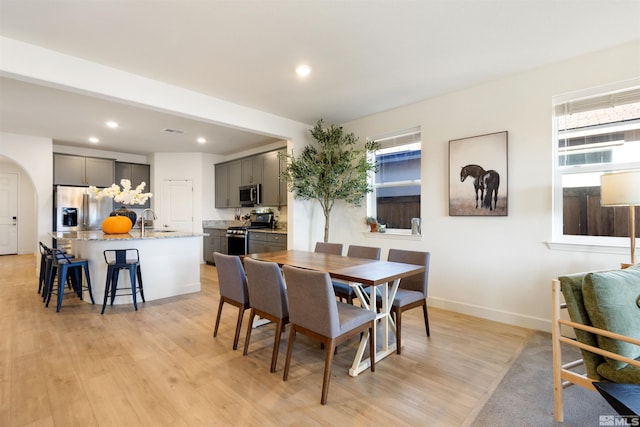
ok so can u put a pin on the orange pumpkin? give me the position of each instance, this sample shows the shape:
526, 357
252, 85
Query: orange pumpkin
116, 225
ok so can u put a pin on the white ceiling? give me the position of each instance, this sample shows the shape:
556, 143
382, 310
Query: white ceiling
367, 57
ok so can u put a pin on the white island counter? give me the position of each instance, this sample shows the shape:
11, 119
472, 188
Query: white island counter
169, 260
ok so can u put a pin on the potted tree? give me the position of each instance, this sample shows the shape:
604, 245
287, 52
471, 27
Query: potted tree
334, 169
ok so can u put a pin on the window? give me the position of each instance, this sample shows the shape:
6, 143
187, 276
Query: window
396, 184
594, 133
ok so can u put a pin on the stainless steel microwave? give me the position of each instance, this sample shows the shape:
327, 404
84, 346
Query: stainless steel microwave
250, 195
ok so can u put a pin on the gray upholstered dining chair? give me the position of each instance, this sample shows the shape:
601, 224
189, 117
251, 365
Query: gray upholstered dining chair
343, 290
232, 282
268, 299
412, 291
328, 248
314, 312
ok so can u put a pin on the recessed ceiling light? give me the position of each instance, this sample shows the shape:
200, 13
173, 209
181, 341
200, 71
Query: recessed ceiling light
94, 140
112, 124
201, 140
303, 70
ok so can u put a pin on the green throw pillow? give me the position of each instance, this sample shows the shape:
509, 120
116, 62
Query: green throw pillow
611, 300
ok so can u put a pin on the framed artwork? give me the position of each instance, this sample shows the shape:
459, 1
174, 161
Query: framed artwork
478, 184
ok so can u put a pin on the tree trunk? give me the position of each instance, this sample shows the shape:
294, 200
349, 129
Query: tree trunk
326, 225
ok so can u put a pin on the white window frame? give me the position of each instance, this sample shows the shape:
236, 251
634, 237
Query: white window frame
388, 140
561, 241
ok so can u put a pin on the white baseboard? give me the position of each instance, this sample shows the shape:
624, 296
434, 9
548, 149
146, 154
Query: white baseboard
489, 313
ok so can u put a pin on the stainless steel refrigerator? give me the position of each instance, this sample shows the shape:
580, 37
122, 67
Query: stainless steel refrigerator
76, 210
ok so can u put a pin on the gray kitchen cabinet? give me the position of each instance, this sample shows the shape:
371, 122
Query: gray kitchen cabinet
216, 241
274, 192
82, 171
266, 242
252, 170
276, 242
228, 180
261, 169
207, 246
257, 242
136, 173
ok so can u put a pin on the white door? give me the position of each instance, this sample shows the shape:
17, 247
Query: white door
177, 205
8, 213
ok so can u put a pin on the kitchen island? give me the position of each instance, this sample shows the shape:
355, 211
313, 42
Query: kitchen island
169, 260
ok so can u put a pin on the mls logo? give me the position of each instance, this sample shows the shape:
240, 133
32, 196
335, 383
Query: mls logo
619, 420
607, 420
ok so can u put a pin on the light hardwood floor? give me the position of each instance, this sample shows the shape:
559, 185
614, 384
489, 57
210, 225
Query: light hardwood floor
161, 366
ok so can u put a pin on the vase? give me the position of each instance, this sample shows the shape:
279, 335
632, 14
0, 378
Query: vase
122, 211
373, 227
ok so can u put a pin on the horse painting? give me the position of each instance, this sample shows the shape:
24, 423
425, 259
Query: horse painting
477, 172
491, 182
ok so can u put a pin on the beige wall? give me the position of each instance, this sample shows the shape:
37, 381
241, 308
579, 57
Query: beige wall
499, 267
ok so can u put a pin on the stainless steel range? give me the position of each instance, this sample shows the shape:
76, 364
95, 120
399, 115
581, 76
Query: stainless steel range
238, 236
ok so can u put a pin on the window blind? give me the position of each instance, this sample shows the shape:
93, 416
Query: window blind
610, 100
394, 139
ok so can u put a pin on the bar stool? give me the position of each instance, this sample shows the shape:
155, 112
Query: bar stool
63, 264
121, 259
46, 265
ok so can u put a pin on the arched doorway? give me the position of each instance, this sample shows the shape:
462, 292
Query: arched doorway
27, 212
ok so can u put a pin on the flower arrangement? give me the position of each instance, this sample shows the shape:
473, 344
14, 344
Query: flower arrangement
126, 195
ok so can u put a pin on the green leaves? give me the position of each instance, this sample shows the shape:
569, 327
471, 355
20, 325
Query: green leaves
333, 170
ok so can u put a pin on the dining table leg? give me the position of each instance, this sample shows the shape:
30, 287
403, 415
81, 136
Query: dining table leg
387, 293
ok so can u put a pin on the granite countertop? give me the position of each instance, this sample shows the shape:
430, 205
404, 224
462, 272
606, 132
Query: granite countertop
223, 225
131, 235
215, 227
268, 230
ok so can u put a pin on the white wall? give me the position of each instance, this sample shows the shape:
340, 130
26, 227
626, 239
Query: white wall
34, 157
179, 166
495, 267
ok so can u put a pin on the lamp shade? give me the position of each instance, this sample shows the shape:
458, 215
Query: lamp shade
620, 189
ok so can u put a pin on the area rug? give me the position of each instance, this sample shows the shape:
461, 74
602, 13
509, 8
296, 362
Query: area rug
524, 397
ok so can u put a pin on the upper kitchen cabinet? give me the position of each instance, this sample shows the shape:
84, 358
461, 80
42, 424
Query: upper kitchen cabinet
274, 192
228, 180
251, 171
136, 173
82, 171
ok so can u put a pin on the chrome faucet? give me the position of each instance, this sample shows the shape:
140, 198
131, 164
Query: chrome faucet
142, 218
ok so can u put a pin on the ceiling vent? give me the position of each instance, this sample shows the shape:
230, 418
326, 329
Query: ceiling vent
172, 130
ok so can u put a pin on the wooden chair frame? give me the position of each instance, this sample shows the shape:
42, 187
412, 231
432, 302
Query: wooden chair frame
330, 345
241, 309
280, 325
563, 376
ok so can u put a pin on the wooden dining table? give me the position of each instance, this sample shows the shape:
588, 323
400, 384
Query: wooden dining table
359, 273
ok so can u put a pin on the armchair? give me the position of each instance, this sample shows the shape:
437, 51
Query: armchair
604, 311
